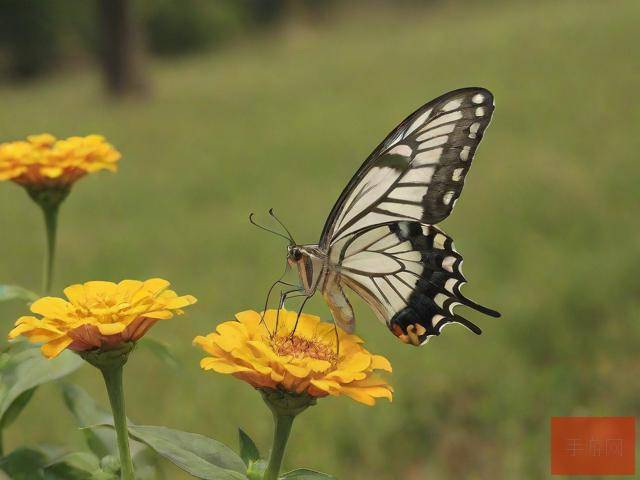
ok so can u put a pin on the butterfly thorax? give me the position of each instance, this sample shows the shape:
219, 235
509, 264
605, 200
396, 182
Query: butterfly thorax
310, 260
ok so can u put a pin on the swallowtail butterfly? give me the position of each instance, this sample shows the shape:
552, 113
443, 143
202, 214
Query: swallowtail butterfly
381, 240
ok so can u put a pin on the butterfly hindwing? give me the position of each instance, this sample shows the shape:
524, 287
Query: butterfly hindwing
409, 273
418, 171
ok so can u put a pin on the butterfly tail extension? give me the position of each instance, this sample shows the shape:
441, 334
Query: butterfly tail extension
430, 307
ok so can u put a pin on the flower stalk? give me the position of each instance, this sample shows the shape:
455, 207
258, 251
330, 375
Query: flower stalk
113, 381
285, 406
111, 363
49, 200
51, 224
282, 430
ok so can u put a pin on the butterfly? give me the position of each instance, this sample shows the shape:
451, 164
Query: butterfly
381, 239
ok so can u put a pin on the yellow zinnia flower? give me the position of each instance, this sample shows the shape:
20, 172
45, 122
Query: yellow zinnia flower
43, 162
99, 315
305, 362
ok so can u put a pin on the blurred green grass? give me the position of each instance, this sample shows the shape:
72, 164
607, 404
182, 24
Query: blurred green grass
547, 225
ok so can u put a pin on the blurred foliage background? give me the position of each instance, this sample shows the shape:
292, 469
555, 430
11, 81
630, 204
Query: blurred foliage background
227, 107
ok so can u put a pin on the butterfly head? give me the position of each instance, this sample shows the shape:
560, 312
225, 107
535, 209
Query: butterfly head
309, 261
294, 254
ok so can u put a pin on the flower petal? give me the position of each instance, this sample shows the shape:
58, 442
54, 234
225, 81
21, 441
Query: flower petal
53, 348
111, 328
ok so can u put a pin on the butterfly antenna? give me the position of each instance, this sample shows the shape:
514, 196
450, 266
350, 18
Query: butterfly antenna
253, 222
293, 242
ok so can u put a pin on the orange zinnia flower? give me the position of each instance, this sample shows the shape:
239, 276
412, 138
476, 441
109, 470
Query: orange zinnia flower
307, 361
100, 315
43, 162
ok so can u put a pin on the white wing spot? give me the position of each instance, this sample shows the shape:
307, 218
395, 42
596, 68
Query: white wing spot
430, 156
464, 153
436, 132
404, 150
439, 241
436, 319
478, 98
448, 262
433, 142
446, 199
426, 230
418, 121
474, 129
449, 117
453, 305
440, 299
448, 286
404, 229
457, 174
452, 105
479, 112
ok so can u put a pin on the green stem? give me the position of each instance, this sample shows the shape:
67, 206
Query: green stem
113, 380
281, 433
51, 223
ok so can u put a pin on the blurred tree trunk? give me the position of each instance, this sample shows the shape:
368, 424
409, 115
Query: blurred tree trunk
121, 49
300, 12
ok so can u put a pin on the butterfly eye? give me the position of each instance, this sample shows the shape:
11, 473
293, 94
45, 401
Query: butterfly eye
296, 254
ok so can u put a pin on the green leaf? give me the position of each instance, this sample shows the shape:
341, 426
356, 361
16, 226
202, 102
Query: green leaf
196, 454
160, 350
24, 371
248, 450
74, 466
24, 464
16, 407
306, 474
87, 412
14, 292
200, 456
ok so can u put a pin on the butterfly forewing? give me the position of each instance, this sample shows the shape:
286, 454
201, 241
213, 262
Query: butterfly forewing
418, 171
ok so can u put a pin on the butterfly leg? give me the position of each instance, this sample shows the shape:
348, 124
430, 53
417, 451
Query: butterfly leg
335, 329
283, 298
279, 281
295, 326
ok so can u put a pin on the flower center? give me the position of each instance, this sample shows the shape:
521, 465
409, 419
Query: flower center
300, 347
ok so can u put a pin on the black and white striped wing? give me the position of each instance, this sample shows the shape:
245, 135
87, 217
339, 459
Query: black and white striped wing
418, 171
409, 273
